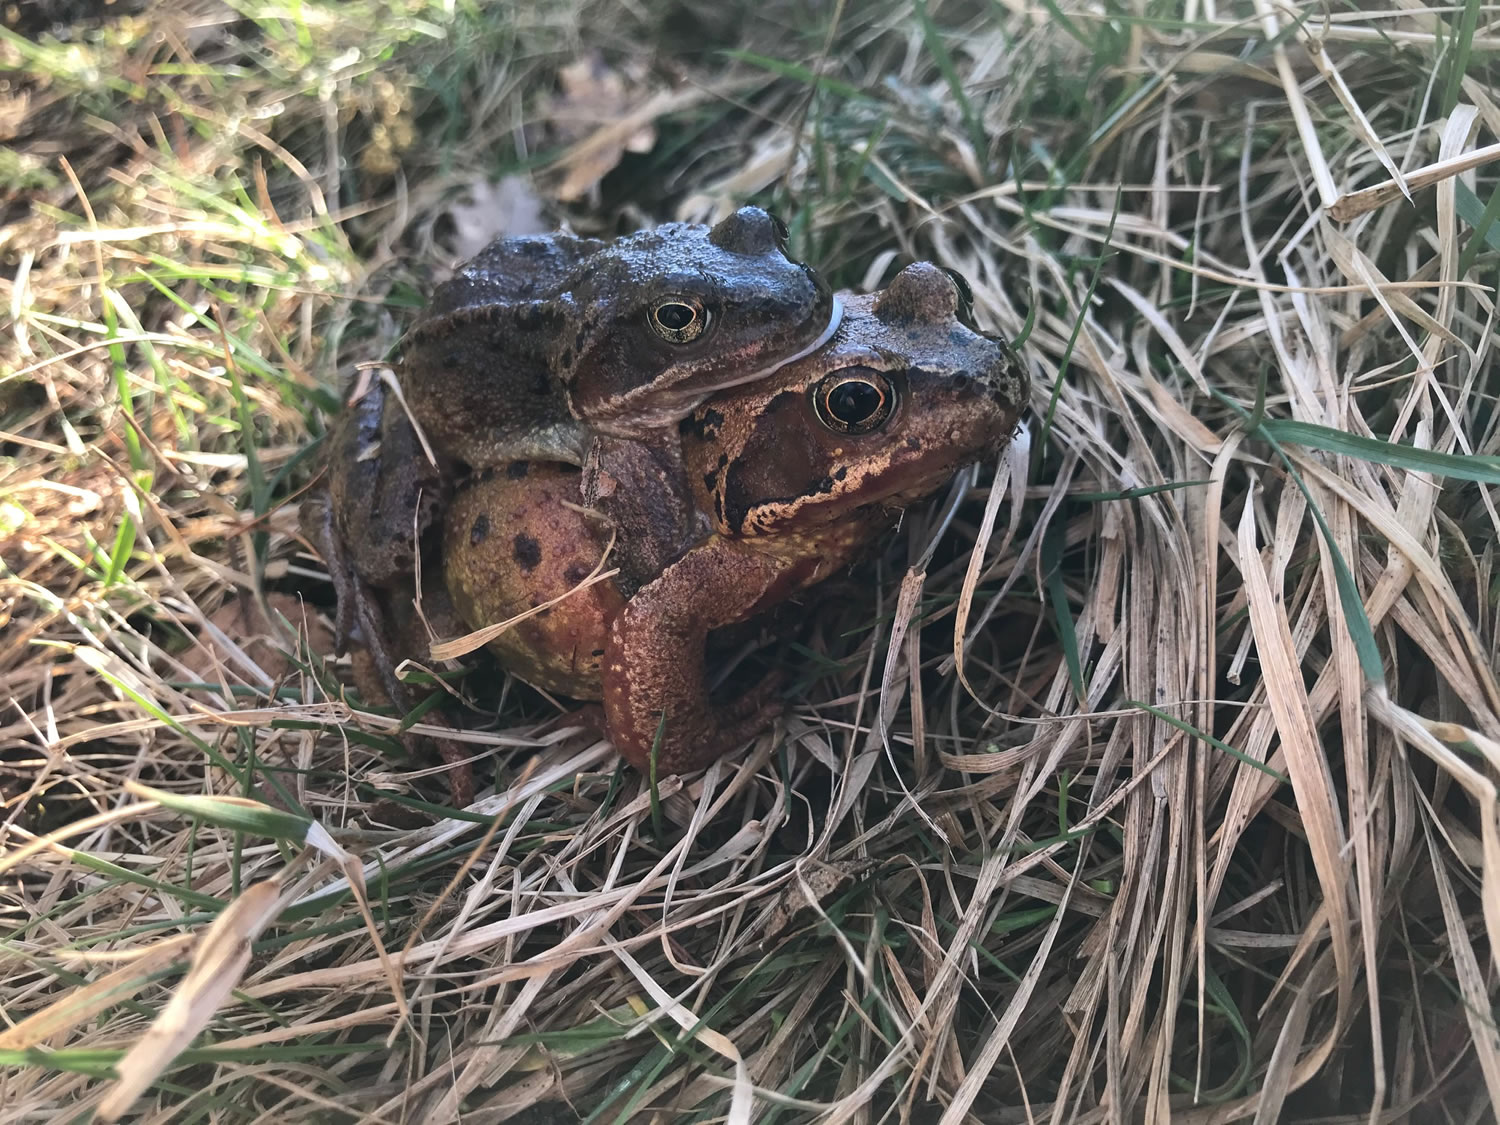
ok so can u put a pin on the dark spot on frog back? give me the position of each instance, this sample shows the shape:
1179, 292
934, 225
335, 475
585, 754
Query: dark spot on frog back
527, 552
517, 470
575, 573
703, 425
479, 531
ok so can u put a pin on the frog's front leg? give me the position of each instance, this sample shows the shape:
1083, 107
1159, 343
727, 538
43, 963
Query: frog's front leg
642, 488
654, 677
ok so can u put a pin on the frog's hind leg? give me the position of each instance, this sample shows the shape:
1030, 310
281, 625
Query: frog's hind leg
642, 488
362, 624
653, 674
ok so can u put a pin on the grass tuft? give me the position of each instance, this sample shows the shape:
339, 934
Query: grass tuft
1208, 821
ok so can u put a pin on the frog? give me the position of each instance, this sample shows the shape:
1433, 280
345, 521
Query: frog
532, 342
555, 345
796, 475
590, 353
539, 344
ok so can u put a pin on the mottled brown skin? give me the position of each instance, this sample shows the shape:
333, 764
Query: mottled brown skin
365, 518
515, 539
793, 491
532, 342
538, 343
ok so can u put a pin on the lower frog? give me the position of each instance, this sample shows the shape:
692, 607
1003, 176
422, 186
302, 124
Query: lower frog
796, 474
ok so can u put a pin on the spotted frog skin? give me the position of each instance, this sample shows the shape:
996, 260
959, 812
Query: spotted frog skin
795, 475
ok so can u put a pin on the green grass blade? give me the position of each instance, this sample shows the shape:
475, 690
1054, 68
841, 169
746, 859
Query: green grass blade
1463, 466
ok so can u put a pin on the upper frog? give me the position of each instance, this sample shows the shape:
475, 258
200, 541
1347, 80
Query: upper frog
795, 474
539, 343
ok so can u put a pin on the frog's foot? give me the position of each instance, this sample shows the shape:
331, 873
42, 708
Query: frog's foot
655, 693
760, 704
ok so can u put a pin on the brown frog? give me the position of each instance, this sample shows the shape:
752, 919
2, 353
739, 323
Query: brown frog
796, 473
538, 344
545, 346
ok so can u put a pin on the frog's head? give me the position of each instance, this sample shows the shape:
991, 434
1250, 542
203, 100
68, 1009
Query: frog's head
906, 393
660, 320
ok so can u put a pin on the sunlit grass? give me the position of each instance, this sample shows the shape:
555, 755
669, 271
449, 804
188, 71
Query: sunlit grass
1216, 787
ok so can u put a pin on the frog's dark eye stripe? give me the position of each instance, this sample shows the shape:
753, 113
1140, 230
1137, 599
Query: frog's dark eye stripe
855, 400
679, 320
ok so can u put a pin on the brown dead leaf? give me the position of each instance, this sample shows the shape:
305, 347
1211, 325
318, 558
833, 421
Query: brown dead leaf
819, 883
494, 209
598, 109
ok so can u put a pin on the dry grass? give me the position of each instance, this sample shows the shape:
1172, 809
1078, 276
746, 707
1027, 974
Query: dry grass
1204, 827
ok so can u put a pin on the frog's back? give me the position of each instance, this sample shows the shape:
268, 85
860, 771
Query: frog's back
513, 270
474, 366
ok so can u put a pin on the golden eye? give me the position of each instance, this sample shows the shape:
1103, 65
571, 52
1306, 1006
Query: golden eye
679, 320
855, 400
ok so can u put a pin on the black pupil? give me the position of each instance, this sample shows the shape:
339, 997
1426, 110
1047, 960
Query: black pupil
854, 401
676, 316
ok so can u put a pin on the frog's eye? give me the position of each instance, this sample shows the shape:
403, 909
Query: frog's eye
855, 400
679, 320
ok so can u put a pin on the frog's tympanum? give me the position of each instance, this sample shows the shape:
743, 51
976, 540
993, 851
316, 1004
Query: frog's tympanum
795, 473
